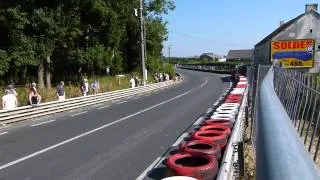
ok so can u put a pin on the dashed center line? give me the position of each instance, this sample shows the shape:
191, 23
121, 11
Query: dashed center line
3, 133
38, 124
104, 107
78, 113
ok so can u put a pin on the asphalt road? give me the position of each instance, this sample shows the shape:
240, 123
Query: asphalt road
116, 140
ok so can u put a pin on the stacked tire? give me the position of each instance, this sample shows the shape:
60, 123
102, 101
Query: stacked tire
199, 156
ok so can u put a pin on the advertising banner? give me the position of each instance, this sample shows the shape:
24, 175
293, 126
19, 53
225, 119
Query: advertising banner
297, 53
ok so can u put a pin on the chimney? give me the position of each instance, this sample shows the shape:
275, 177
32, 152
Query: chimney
281, 23
310, 7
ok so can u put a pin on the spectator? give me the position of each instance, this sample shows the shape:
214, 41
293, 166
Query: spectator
12, 90
9, 100
84, 87
160, 77
61, 95
33, 96
95, 87
132, 82
136, 81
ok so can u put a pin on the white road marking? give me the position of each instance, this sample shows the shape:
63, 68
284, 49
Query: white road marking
160, 161
78, 113
96, 105
178, 141
4, 126
3, 133
34, 125
221, 75
75, 110
135, 98
114, 101
145, 172
198, 121
121, 102
104, 107
87, 133
205, 82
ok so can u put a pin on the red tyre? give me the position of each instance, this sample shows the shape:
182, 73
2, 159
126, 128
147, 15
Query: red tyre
222, 122
216, 137
193, 165
201, 147
232, 101
216, 127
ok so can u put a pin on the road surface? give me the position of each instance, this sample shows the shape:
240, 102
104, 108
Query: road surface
117, 140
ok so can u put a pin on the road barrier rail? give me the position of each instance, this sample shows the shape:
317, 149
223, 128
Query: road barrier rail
28, 112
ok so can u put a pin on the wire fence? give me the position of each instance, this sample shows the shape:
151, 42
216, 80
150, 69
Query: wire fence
300, 95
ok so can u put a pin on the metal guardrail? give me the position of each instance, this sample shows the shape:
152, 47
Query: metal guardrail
210, 68
28, 112
300, 96
279, 151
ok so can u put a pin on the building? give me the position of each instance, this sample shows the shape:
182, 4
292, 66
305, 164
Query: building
243, 55
210, 56
304, 26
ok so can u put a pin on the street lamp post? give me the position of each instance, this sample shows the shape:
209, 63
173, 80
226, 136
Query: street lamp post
142, 41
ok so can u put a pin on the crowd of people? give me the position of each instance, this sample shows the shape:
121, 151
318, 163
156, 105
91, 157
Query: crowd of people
10, 100
160, 77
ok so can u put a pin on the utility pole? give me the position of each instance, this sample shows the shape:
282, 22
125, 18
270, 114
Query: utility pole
142, 41
169, 48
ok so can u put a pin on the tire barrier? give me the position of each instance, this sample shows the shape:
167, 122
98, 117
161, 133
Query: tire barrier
201, 147
198, 166
212, 136
217, 127
197, 156
228, 117
222, 122
179, 178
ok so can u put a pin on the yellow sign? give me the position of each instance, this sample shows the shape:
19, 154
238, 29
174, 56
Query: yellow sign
293, 53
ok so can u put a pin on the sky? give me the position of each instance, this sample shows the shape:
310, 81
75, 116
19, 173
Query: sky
216, 26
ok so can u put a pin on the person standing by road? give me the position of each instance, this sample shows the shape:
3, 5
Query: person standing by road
61, 95
132, 82
95, 87
33, 96
9, 100
84, 87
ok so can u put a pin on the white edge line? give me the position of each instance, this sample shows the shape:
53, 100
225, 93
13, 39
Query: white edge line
78, 113
178, 141
86, 133
145, 172
198, 121
122, 102
75, 110
3, 133
38, 124
103, 107
95, 105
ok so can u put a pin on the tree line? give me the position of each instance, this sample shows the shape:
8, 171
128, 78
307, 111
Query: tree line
53, 40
